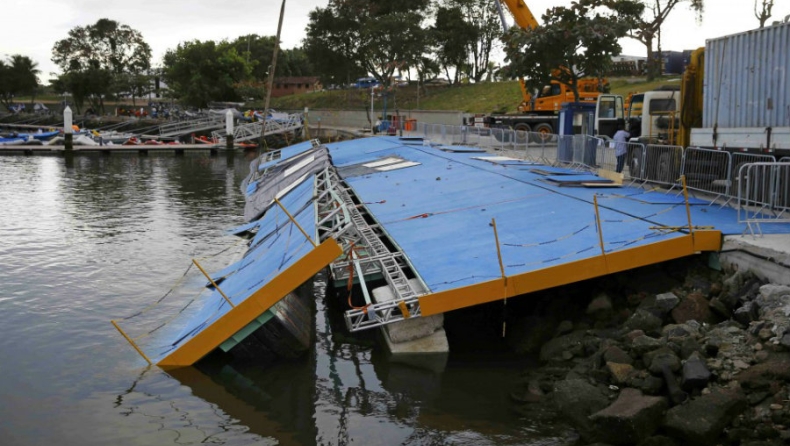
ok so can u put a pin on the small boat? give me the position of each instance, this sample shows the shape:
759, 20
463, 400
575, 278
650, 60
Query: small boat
111, 137
40, 136
11, 141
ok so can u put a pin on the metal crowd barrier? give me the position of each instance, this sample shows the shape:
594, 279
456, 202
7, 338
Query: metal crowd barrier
708, 170
763, 194
663, 164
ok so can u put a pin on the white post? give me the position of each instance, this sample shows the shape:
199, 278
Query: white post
229, 129
67, 130
67, 120
372, 114
306, 124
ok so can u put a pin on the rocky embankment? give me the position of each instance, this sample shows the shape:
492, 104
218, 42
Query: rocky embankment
706, 361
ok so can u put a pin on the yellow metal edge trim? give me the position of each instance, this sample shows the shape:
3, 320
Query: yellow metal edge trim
241, 315
613, 262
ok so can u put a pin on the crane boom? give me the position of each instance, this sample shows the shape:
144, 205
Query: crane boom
521, 14
548, 100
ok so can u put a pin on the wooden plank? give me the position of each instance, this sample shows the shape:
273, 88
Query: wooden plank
611, 175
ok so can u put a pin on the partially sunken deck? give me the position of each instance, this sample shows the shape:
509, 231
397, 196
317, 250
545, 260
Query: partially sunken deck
440, 210
437, 204
279, 260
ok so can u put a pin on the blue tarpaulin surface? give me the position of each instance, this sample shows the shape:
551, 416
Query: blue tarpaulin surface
277, 245
439, 213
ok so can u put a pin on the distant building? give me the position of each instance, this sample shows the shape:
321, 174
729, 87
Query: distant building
284, 86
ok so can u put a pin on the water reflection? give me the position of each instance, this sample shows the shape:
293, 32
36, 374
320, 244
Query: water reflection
98, 238
347, 391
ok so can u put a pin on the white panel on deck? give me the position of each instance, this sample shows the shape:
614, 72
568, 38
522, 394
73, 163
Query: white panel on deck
383, 162
398, 166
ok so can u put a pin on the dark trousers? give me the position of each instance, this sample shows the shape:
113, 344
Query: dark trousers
620, 163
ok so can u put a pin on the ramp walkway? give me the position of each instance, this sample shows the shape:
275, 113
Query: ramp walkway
180, 128
273, 126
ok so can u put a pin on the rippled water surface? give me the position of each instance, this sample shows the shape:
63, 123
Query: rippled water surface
97, 238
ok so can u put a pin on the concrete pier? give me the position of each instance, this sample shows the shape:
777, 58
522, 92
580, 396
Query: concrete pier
419, 341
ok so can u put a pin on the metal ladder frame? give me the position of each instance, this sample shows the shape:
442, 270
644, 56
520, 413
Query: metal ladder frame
340, 217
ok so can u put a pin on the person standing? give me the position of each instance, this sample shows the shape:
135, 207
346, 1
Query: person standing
621, 146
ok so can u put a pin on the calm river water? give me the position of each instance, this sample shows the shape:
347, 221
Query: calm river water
100, 237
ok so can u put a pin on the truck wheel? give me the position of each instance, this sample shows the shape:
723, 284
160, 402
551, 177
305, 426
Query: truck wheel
542, 132
522, 130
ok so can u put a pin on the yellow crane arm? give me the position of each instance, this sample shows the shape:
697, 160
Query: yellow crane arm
521, 13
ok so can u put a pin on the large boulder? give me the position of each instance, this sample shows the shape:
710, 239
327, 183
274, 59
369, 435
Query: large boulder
776, 367
693, 307
644, 344
644, 320
666, 302
577, 399
702, 420
772, 297
569, 344
663, 357
695, 373
600, 307
632, 418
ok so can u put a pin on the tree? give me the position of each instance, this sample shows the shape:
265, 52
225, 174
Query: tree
573, 43
649, 29
483, 16
258, 51
106, 49
453, 37
331, 46
765, 12
18, 77
200, 72
365, 36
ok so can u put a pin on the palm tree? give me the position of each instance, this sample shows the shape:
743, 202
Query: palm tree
25, 75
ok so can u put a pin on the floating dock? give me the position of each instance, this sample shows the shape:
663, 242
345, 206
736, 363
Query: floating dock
442, 228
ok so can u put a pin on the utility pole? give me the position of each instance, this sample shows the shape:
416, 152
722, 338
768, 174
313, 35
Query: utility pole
271, 76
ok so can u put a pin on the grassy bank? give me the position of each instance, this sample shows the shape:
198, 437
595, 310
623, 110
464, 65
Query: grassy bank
499, 97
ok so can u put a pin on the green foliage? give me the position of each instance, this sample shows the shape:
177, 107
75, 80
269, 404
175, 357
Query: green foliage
258, 50
453, 37
98, 59
483, 16
574, 42
17, 77
200, 72
348, 39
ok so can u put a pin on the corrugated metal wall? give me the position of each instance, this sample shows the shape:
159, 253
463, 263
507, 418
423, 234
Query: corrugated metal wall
747, 79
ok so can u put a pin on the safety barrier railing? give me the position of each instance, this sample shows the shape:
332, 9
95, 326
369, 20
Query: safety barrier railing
632, 157
663, 164
763, 194
708, 170
577, 151
739, 159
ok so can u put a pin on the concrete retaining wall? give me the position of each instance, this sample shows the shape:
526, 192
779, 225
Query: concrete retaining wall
768, 256
359, 118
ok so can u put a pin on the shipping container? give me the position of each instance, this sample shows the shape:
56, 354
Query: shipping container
747, 79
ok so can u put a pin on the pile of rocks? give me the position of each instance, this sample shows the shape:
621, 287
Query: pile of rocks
704, 363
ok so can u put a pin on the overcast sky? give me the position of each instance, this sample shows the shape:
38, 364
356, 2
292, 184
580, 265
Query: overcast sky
33, 26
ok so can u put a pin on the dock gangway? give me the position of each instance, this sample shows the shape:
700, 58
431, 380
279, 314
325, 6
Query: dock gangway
191, 126
253, 130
